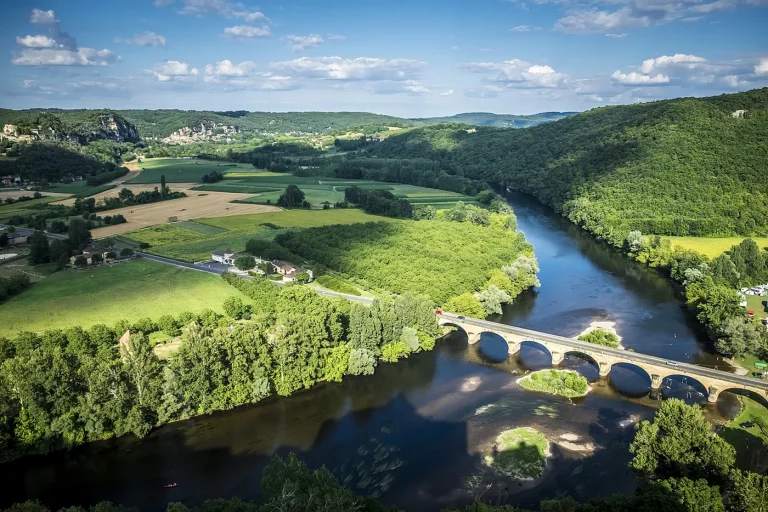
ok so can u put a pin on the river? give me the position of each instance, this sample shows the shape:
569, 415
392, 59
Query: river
413, 434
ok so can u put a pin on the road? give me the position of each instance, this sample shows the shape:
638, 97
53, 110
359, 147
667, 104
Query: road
200, 267
629, 356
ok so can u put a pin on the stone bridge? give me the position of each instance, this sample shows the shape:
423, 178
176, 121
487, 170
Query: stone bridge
715, 381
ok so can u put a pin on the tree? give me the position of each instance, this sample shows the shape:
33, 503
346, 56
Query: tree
738, 336
245, 262
747, 492
491, 300
679, 443
693, 496
635, 241
127, 252
465, 304
97, 258
168, 325
39, 251
80, 261
78, 234
163, 188
235, 308
292, 197
4, 240
361, 362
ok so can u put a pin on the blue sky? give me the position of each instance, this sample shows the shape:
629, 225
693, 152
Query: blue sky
408, 58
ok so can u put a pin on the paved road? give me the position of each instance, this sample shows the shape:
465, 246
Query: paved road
201, 267
623, 354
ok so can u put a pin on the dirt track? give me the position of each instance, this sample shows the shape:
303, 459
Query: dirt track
209, 204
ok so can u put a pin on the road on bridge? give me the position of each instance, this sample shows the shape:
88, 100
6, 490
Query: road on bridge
614, 352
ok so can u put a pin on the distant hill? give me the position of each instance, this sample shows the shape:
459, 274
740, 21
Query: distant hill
689, 166
498, 120
79, 126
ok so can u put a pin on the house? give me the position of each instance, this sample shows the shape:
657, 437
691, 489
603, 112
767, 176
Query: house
226, 257
90, 252
289, 271
18, 237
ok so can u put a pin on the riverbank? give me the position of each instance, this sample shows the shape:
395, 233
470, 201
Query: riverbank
602, 325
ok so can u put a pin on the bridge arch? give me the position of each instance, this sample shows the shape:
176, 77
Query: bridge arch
685, 388
535, 356
757, 397
493, 347
594, 370
630, 379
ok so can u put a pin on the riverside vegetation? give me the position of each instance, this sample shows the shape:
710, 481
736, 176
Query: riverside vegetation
61, 388
556, 382
681, 467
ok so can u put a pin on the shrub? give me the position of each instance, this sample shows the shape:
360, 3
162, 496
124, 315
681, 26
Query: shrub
337, 285
601, 337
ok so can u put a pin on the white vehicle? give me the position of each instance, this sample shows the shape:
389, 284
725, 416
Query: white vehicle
673, 363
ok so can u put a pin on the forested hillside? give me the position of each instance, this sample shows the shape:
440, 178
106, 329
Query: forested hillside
678, 167
498, 120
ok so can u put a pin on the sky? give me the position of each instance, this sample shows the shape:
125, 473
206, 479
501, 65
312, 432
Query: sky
409, 58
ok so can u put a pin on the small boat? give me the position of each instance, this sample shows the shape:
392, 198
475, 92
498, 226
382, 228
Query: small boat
168, 486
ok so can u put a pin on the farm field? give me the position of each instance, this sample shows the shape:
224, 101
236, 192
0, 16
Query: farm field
328, 190
24, 207
196, 204
78, 189
711, 247
183, 170
189, 241
114, 191
105, 295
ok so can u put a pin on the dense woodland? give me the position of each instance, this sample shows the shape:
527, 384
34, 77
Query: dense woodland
675, 167
420, 257
680, 465
50, 163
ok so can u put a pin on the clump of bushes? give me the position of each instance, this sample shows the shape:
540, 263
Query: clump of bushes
601, 337
337, 285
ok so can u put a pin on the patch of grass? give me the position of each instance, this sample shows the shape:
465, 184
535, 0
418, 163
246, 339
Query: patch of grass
520, 453
183, 170
105, 295
80, 189
756, 304
748, 441
236, 187
748, 361
556, 382
165, 234
24, 207
201, 249
315, 197
292, 219
337, 285
712, 247
200, 228
256, 172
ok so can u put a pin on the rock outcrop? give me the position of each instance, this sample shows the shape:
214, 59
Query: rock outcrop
205, 132
47, 127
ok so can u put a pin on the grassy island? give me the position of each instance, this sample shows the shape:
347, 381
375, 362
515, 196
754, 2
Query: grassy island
520, 453
601, 337
557, 382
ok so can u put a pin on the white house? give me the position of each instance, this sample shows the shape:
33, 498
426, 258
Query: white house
289, 271
226, 257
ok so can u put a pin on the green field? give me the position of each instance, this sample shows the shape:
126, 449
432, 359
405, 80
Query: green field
755, 303
105, 295
183, 170
195, 240
79, 189
712, 247
24, 207
748, 441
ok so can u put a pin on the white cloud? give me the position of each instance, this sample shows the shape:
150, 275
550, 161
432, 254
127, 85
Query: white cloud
36, 41
719, 5
60, 49
62, 57
171, 70
361, 68
518, 73
221, 7
734, 81
616, 36
591, 21
143, 39
244, 32
411, 87
449, 92
635, 78
225, 68
335, 37
761, 68
678, 59
520, 28
40, 17
300, 43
